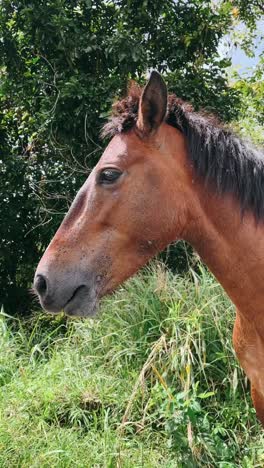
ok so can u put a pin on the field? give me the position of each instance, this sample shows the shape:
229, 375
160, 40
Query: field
152, 382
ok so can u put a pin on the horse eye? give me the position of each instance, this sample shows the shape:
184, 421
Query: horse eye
108, 176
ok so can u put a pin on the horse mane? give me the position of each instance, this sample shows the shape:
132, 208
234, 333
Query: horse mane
218, 155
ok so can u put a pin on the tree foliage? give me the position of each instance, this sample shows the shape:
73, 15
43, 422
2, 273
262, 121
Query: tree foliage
61, 65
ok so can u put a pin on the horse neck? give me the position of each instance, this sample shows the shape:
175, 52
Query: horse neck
232, 246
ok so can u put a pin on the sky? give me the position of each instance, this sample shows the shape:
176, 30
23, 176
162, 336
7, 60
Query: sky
240, 61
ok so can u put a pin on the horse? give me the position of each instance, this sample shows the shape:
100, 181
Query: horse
168, 173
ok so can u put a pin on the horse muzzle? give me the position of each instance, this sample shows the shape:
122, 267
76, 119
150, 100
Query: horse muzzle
74, 294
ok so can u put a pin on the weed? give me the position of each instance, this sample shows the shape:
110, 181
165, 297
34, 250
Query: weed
153, 381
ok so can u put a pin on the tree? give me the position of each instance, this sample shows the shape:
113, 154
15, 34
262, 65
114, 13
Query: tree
62, 63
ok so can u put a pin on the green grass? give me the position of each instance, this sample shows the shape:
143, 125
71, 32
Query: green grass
152, 382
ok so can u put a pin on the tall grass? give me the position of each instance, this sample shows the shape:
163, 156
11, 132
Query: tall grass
153, 381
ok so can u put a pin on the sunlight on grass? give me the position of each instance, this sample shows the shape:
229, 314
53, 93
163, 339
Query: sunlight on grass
153, 381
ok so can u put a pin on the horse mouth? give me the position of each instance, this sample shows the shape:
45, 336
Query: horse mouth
82, 303
73, 296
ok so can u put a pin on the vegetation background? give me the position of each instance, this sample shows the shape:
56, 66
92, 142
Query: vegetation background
153, 381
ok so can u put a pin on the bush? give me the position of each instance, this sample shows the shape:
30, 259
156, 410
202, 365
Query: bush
61, 65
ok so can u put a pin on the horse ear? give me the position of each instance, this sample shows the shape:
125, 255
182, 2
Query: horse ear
152, 104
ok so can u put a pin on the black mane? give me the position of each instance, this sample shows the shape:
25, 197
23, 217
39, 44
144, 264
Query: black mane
218, 155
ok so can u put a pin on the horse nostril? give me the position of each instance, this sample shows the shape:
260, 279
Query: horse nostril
41, 285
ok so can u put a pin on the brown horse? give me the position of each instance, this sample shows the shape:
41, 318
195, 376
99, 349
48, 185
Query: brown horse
168, 173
